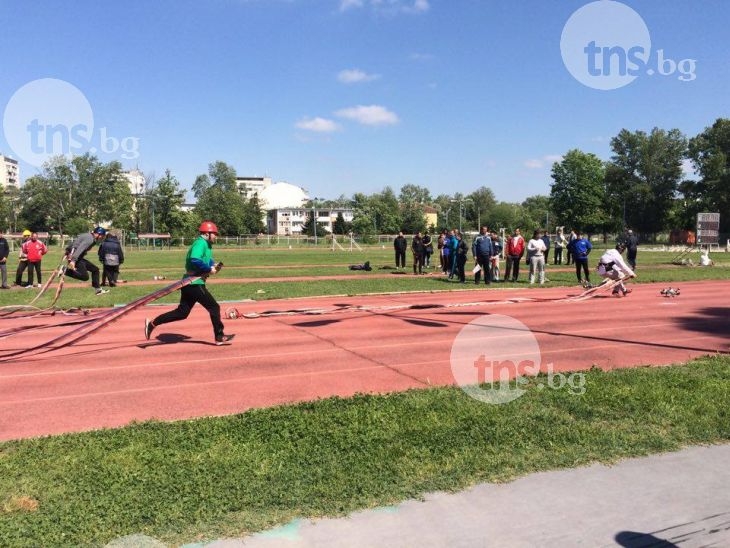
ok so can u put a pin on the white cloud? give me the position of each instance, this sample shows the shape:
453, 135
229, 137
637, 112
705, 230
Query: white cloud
539, 163
347, 4
552, 158
373, 115
388, 6
319, 125
355, 76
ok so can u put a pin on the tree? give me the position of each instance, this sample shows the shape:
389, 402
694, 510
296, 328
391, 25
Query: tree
414, 193
220, 200
710, 154
537, 212
165, 198
643, 176
80, 188
309, 226
577, 194
480, 203
340, 226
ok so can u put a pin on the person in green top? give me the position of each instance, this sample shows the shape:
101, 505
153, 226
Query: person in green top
198, 262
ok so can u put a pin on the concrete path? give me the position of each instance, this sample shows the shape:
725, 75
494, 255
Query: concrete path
676, 499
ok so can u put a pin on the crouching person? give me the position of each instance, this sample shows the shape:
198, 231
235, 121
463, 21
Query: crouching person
613, 267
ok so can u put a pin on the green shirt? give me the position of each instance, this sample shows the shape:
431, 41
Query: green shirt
199, 259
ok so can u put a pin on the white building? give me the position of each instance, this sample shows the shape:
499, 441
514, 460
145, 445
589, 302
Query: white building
253, 185
135, 181
8, 173
289, 221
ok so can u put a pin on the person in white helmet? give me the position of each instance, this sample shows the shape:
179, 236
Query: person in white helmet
613, 267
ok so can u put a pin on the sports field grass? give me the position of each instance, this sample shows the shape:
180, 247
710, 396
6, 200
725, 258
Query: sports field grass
257, 267
217, 477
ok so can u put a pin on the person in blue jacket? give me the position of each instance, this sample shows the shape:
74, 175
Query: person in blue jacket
580, 248
481, 250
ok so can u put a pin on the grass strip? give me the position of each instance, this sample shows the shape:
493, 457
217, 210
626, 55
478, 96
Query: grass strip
230, 476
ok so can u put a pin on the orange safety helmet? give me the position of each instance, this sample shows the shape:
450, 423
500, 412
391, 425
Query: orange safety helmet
208, 226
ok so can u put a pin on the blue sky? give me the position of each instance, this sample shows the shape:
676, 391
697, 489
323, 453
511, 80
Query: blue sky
345, 96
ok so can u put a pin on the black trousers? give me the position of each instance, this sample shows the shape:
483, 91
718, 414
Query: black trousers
581, 263
558, 255
111, 274
483, 261
22, 265
82, 270
513, 267
400, 259
189, 295
418, 263
34, 267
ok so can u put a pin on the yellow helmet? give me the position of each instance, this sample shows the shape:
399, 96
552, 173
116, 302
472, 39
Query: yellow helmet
26, 232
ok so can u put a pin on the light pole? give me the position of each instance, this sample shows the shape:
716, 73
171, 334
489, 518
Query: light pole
314, 219
461, 201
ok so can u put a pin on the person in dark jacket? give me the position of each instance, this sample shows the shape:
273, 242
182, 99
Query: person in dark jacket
4, 253
400, 245
632, 245
79, 266
462, 253
481, 250
111, 255
419, 251
579, 249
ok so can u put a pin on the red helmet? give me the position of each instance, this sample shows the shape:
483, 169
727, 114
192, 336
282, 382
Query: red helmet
208, 226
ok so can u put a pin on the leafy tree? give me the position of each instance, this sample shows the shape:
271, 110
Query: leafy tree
537, 212
710, 154
643, 176
413, 218
77, 188
479, 206
340, 226
506, 215
309, 226
220, 200
413, 193
577, 195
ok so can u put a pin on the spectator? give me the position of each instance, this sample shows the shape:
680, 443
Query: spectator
571, 238
111, 256
442, 249
560, 243
4, 253
461, 253
515, 252
400, 245
632, 245
579, 249
496, 255
428, 250
419, 250
481, 250
536, 252
546, 241
22, 259
34, 249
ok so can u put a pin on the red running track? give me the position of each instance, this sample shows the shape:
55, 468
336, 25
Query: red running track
115, 376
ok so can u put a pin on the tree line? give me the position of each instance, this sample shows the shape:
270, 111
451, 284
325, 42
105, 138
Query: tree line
642, 186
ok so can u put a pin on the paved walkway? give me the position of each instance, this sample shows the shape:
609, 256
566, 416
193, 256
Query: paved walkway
676, 499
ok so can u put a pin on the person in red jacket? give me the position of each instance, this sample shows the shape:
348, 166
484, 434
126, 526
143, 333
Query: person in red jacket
515, 251
34, 249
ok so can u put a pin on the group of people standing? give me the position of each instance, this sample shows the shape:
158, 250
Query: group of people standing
29, 258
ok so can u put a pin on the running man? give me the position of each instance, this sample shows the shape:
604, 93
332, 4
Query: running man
198, 262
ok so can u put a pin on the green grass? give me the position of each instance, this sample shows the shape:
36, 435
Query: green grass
208, 478
257, 264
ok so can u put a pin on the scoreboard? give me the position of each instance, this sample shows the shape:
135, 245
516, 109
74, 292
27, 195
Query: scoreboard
708, 228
